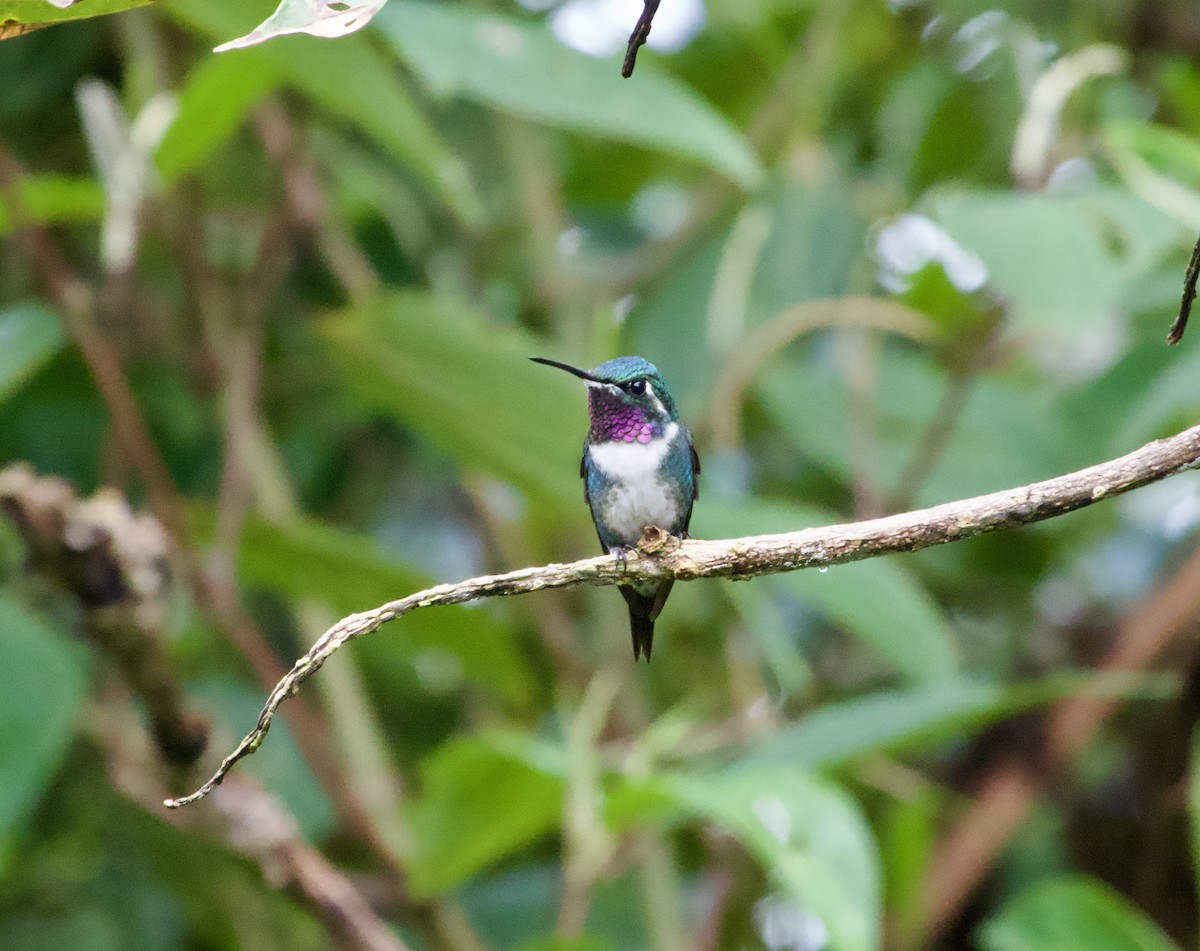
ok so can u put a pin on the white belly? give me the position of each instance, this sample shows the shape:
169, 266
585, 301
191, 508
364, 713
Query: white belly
630, 506
638, 496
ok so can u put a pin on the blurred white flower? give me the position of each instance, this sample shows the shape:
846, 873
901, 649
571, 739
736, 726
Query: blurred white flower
910, 242
785, 926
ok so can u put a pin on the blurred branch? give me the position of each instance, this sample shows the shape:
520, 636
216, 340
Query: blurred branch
942, 425
641, 33
660, 556
307, 206
968, 852
259, 826
587, 844
115, 562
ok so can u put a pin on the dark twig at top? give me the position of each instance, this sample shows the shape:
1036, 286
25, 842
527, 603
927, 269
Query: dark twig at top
639, 36
1189, 295
659, 557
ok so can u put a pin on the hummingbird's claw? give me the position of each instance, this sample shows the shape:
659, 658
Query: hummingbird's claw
621, 553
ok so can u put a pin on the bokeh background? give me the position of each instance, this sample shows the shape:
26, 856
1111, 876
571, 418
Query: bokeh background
886, 254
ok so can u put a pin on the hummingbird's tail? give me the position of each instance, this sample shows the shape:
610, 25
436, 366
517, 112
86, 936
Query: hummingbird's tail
643, 610
643, 633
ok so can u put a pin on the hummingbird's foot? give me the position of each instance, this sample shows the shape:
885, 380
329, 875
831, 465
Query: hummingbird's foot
621, 553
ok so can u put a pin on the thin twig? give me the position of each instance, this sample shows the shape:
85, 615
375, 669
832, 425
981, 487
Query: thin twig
1191, 276
660, 557
641, 32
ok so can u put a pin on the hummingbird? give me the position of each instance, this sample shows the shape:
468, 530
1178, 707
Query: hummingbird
639, 469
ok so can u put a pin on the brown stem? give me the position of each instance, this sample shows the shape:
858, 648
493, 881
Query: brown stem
641, 33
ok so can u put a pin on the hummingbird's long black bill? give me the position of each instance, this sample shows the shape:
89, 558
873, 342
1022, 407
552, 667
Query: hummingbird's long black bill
582, 374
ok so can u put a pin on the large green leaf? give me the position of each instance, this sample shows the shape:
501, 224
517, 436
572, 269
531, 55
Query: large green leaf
29, 336
801, 241
901, 719
521, 69
1006, 434
1066, 265
438, 366
352, 80
41, 12
215, 99
44, 680
1072, 914
876, 600
1160, 164
808, 834
478, 804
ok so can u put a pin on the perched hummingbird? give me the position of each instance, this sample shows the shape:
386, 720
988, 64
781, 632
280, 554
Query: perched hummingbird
639, 468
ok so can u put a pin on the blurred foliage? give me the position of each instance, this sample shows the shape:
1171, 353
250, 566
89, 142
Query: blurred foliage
322, 264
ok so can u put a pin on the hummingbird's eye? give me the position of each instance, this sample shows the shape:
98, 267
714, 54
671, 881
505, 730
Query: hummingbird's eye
637, 387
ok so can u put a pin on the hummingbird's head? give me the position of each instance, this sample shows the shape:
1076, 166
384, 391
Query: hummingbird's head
627, 399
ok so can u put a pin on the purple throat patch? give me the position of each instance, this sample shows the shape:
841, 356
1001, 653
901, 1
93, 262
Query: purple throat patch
615, 420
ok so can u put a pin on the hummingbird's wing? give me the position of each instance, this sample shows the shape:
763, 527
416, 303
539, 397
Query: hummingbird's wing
695, 470
591, 478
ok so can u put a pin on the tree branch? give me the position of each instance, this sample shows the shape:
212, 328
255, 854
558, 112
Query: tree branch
660, 556
638, 37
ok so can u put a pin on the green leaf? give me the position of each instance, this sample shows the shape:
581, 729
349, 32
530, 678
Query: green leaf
1163, 403
902, 719
352, 80
1160, 164
1007, 434
1067, 265
521, 69
40, 12
29, 337
56, 199
1072, 914
876, 600
478, 804
44, 681
441, 368
801, 241
354, 575
216, 97
807, 834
